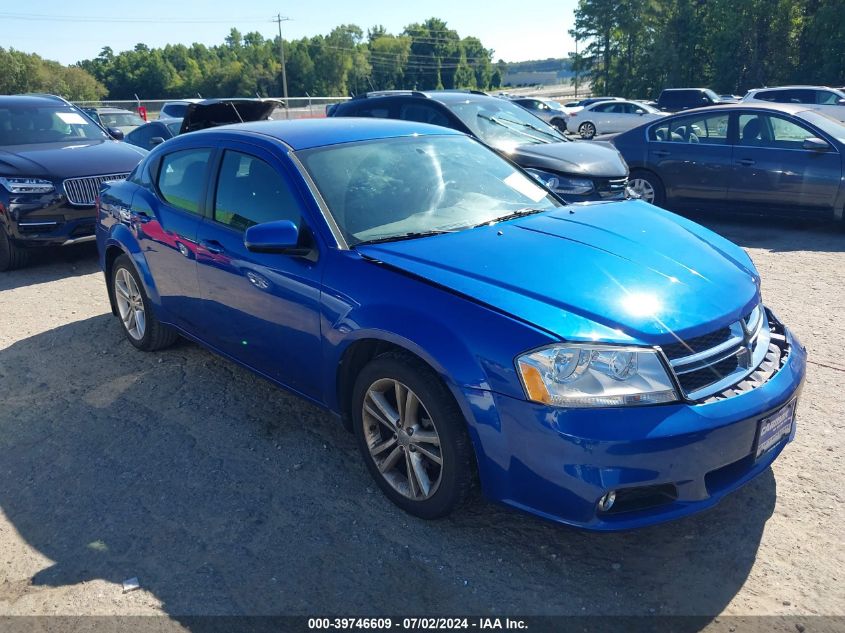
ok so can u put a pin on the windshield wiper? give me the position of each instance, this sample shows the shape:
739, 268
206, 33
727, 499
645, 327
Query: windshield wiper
512, 216
541, 131
502, 123
402, 236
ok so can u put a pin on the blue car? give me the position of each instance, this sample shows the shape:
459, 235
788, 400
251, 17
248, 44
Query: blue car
607, 366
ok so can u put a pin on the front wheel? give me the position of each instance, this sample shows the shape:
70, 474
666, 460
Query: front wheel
412, 436
646, 186
587, 130
140, 325
12, 256
559, 125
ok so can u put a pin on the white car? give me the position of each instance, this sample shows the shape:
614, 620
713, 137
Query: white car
608, 117
827, 101
176, 109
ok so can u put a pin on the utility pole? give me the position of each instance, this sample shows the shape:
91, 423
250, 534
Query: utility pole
279, 19
577, 66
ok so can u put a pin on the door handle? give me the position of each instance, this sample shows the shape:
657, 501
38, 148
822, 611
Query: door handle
212, 246
139, 216
661, 152
745, 161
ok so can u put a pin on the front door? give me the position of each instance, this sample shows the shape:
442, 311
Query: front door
260, 308
773, 171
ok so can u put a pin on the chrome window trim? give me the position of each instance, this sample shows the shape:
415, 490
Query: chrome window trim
321, 203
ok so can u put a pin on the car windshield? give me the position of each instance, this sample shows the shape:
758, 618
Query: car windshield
400, 188
826, 124
712, 94
120, 119
504, 125
555, 105
648, 108
174, 127
26, 125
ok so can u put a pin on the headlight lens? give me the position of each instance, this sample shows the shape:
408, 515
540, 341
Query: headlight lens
595, 376
26, 185
563, 184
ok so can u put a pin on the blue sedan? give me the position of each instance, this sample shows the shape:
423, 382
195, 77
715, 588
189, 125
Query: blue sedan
755, 158
606, 366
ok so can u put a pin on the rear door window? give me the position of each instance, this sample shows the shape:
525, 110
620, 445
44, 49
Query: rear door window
764, 130
709, 129
423, 113
181, 178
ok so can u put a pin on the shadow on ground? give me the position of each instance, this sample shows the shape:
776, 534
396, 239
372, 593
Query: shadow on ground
51, 264
778, 234
224, 495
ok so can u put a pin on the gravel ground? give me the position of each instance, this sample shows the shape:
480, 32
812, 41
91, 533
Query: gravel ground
224, 495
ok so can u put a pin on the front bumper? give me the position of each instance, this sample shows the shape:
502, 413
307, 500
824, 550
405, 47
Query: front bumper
48, 219
558, 463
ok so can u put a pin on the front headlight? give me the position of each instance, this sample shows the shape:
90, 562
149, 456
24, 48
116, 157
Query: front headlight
563, 185
26, 185
577, 375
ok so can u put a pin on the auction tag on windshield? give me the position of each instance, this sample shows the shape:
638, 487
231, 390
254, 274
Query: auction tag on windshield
774, 428
523, 185
72, 118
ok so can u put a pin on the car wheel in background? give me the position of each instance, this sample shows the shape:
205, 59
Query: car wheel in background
559, 125
646, 186
412, 436
134, 310
12, 256
587, 130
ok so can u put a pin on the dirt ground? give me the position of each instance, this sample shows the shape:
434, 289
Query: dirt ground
224, 495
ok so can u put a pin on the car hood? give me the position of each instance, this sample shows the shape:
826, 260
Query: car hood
215, 112
624, 272
69, 160
578, 157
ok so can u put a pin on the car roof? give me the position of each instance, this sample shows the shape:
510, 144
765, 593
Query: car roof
795, 87
32, 100
112, 110
302, 134
787, 108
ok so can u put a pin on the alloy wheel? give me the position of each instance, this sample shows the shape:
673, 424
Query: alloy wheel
402, 439
587, 130
130, 304
641, 189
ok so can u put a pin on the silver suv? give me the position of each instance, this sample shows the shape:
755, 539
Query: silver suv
828, 101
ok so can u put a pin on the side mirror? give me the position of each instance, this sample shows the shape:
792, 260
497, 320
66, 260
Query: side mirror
816, 144
281, 236
115, 133
156, 140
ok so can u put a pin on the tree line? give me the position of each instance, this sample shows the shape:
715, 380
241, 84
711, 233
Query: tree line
426, 55
638, 47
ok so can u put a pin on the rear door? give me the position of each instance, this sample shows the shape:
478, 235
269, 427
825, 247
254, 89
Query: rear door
261, 309
692, 156
166, 216
772, 171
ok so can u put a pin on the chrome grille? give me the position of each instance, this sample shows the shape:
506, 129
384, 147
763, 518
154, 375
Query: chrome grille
612, 187
707, 364
83, 191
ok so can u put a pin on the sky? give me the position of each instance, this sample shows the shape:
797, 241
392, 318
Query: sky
71, 31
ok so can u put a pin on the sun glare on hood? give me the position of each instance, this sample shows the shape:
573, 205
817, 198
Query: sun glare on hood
641, 304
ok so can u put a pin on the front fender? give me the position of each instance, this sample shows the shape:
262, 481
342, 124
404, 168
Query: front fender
471, 346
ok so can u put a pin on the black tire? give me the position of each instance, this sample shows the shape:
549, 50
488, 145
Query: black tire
559, 125
458, 470
12, 256
156, 336
654, 180
587, 130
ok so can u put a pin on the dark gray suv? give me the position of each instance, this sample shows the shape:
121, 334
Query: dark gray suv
576, 171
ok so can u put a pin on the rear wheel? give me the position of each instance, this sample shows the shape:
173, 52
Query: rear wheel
646, 186
140, 325
412, 436
12, 255
587, 130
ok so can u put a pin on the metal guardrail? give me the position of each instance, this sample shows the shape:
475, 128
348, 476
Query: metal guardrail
298, 107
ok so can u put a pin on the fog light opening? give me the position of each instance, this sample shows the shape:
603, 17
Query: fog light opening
607, 501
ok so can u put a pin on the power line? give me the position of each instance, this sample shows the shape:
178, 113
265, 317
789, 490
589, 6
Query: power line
127, 20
